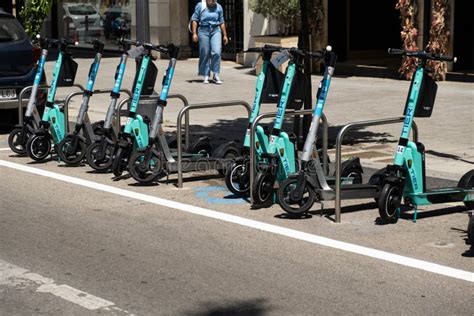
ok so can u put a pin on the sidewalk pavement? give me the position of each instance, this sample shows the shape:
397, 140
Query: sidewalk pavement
448, 135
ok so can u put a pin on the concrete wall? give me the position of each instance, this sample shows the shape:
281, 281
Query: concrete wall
255, 25
168, 22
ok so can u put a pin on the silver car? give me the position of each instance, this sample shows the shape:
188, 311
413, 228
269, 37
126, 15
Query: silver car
75, 17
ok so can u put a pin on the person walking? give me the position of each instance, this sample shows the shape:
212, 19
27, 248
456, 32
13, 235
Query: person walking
208, 28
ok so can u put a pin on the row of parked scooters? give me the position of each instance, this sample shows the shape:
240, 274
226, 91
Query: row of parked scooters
141, 148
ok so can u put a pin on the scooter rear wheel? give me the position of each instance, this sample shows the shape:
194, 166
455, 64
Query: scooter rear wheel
100, 161
290, 205
389, 203
70, 154
120, 161
144, 172
262, 189
38, 147
15, 143
236, 178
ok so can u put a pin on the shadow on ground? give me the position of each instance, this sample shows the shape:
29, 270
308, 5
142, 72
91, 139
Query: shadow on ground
255, 307
234, 129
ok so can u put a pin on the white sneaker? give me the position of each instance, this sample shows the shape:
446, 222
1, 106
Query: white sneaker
217, 80
206, 80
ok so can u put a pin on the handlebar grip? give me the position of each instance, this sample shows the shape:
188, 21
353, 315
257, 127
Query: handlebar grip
445, 58
272, 47
253, 50
129, 42
396, 51
316, 55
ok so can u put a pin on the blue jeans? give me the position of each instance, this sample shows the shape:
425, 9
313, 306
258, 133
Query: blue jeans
210, 47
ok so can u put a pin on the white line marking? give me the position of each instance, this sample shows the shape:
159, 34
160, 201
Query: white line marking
5, 149
315, 239
14, 276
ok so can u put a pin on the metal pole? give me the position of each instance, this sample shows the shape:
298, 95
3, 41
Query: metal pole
340, 136
303, 43
179, 124
143, 21
426, 22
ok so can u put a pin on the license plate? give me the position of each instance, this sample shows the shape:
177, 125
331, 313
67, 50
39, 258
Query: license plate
7, 93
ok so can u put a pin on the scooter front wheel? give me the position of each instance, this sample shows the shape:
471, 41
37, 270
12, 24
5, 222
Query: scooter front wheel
120, 161
99, 156
237, 178
70, 151
389, 203
262, 189
17, 140
145, 171
289, 204
38, 147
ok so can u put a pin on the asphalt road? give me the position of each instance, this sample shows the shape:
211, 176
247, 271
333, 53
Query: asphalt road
93, 252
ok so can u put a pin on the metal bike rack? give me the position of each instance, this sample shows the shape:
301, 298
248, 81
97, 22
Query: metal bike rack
339, 138
156, 97
29, 88
73, 94
184, 111
290, 113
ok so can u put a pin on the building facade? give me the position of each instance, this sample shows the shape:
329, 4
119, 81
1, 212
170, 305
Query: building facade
351, 27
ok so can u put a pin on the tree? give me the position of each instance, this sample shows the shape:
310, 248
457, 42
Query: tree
284, 11
33, 14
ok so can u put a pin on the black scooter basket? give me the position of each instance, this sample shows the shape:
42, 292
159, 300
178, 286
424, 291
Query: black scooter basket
272, 88
150, 78
272, 85
67, 73
426, 97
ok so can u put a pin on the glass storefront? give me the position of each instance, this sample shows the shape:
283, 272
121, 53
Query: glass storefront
106, 20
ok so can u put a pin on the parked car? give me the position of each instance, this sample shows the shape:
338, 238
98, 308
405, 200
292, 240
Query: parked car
18, 58
75, 16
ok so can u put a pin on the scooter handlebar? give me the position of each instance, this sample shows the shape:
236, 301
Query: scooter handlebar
160, 48
421, 55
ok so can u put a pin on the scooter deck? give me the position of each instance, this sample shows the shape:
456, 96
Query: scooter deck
189, 165
359, 191
351, 192
442, 195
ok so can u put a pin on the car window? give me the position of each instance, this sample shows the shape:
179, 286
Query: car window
82, 10
10, 30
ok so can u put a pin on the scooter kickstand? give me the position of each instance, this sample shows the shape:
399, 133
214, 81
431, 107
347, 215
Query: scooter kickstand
321, 209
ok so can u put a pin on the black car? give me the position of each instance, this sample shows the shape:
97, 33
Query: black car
18, 58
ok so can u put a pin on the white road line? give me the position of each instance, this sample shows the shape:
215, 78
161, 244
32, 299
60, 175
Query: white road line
287, 232
14, 276
5, 149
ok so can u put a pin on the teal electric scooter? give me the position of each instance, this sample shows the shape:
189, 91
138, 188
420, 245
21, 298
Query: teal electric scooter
19, 135
72, 148
99, 153
145, 164
237, 178
404, 182
279, 158
52, 127
135, 133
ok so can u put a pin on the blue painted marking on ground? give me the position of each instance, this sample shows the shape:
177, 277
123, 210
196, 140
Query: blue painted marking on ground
203, 193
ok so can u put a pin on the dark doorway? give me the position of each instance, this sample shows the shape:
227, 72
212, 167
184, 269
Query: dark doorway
363, 29
234, 19
463, 35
